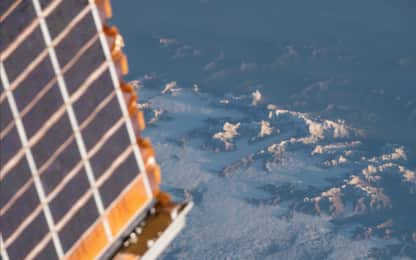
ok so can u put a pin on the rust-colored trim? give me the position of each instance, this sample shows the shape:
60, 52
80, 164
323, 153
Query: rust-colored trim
126, 88
134, 199
164, 198
155, 178
146, 148
111, 31
120, 213
121, 63
91, 244
140, 120
105, 7
152, 168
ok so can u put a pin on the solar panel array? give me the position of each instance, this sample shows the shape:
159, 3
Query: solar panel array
72, 175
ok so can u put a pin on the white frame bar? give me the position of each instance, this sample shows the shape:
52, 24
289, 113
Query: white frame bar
3, 252
32, 165
72, 117
120, 97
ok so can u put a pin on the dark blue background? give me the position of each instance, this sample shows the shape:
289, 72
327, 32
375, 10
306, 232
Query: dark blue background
362, 52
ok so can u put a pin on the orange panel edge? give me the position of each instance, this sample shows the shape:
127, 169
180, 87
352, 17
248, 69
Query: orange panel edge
134, 201
90, 244
116, 43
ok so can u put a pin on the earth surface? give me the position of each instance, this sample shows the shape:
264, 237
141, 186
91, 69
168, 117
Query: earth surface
291, 124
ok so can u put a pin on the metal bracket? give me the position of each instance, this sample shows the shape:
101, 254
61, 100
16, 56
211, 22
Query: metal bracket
154, 233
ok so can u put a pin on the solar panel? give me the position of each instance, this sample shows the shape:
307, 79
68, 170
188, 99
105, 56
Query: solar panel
73, 176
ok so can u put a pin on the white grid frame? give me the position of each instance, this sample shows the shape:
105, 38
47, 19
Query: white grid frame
72, 118
3, 252
120, 97
32, 165
74, 125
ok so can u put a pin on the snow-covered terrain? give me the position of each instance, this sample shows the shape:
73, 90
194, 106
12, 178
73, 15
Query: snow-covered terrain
292, 124
278, 184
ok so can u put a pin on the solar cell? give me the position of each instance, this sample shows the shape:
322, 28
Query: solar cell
10, 145
34, 83
13, 181
60, 166
45, 3
81, 221
77, 177
84, 67
29, 238
94, 98
52, 140
42, 112
48, 252
103, 121
63, 14
5, 5
19, 212
21, 16
62, 203
6, 114
119, 180
111, 149
83, 31
25, 53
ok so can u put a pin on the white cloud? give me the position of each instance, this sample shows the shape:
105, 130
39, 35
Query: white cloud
256, 97
226, 136
331, 148
265, 129
171, 87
